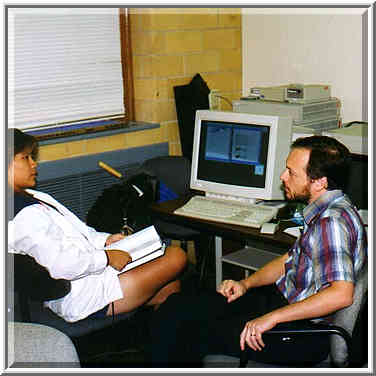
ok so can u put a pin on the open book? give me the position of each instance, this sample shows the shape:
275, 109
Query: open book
143, 246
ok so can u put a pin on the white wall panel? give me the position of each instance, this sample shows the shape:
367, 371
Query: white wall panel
309, 46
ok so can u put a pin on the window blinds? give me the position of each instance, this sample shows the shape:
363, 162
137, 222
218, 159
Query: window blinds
64, 64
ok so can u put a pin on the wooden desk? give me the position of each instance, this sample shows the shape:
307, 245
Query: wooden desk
259, 248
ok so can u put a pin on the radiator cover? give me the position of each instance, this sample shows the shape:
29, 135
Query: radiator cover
77, 182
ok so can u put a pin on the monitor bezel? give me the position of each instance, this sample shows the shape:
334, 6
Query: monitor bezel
279, 138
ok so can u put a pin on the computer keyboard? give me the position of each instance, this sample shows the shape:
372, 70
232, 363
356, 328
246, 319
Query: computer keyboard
227, 211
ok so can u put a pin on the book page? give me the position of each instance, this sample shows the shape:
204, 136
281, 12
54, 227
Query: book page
139, 244
143, 260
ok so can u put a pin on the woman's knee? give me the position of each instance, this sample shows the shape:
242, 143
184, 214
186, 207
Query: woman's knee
176, 257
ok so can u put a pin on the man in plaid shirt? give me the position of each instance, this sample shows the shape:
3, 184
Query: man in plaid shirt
313, 280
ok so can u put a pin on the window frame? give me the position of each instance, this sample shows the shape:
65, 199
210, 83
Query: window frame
127, 62
90, 125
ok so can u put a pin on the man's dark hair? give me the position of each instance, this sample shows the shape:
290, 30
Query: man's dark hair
19, 141
328, 158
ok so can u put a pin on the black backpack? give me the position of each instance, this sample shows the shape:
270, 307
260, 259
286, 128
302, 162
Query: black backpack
124, 203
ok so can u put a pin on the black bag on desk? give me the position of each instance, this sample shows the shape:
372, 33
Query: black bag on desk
129, 200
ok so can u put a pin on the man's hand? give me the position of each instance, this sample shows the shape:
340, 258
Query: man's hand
232, 290
253, 330
118, 259
330, 299
114, 238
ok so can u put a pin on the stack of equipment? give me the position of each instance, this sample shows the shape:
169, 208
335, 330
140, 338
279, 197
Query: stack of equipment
311, 107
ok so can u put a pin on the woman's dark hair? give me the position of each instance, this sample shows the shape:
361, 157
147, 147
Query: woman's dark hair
328, 158
19, 141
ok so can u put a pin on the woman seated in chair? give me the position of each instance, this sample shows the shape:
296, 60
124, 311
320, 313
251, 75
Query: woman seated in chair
44, 229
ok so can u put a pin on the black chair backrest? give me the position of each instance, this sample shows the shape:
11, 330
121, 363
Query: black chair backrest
188, 99
34, 280
173, 171
29, 281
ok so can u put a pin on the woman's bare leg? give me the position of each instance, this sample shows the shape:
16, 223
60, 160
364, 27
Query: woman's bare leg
164, 293
152, 282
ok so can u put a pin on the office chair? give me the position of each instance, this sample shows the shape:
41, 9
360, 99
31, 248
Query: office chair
173, 174
30, 285
342, 338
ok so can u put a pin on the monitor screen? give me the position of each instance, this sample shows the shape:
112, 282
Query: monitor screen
238, 155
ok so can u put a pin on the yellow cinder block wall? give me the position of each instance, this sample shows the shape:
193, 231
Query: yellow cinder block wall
171, 45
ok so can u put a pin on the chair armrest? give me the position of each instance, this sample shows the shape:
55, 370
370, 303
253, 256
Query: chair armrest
302, 328
307, 327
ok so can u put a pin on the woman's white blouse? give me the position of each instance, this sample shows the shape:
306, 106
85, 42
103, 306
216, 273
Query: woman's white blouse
69, 249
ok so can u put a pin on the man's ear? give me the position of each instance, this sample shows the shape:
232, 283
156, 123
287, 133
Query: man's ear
320, 184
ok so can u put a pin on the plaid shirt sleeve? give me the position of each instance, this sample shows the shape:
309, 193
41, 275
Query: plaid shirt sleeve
330, 250
323, 254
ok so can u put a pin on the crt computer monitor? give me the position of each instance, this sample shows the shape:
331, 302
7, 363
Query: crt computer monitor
239, 155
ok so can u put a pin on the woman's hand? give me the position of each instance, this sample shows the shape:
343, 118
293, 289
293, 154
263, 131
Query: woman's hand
118, 259
232, 290
253, 330
114, 238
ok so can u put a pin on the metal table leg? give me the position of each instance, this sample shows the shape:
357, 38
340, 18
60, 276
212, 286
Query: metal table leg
218, 260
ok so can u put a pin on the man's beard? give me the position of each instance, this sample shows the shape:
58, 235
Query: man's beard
302, 196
